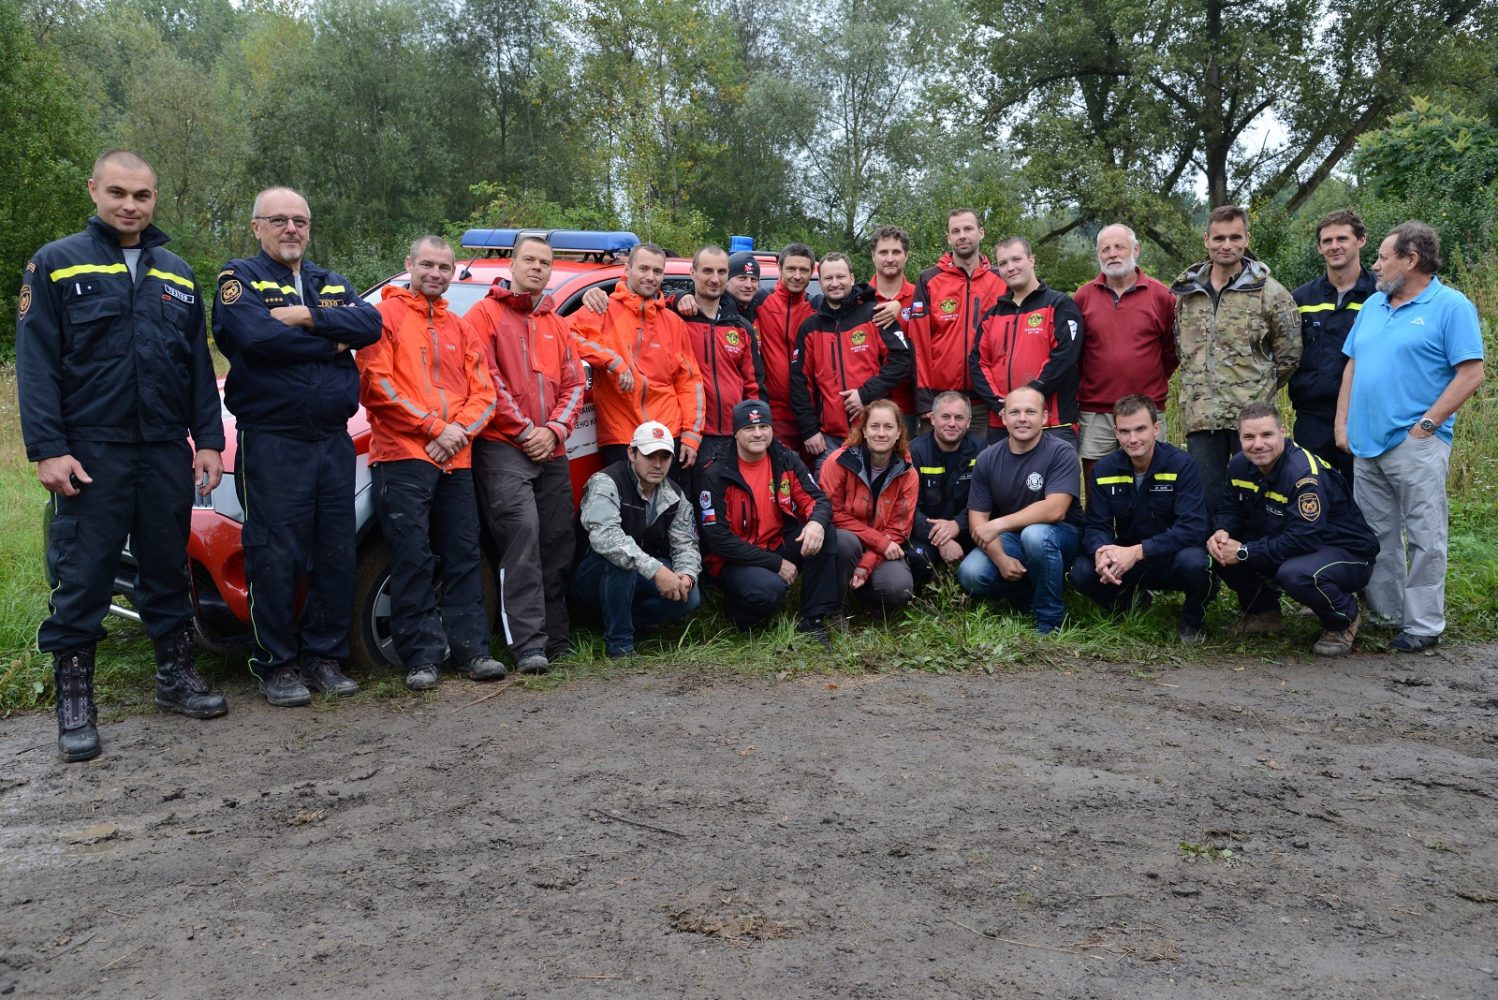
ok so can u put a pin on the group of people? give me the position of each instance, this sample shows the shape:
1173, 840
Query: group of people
750, 438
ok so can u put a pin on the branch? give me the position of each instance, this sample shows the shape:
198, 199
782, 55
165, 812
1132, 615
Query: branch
1062, 230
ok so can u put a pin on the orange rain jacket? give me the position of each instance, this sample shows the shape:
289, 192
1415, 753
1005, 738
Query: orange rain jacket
425, 372
646, 337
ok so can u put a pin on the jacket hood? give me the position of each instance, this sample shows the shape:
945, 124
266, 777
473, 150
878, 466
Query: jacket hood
1194, 279
652, 307
414, 301
860, 294
949, 263
511, 299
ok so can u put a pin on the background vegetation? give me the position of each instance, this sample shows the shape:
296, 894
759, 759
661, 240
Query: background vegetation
690, 120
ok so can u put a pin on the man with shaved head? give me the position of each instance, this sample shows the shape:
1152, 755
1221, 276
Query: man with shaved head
287, 325
1130, 346
113, 374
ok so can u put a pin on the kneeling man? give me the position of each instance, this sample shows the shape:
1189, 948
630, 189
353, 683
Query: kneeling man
1146, 521
1287, 522
641, 564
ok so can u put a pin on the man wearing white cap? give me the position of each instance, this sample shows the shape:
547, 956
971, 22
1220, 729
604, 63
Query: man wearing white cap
640, 563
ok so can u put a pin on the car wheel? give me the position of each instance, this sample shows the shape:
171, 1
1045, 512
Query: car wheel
371, 641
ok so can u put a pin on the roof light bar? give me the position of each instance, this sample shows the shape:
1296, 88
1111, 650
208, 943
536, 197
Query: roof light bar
561, 240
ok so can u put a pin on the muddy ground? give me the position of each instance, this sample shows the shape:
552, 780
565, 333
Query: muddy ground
1235, 829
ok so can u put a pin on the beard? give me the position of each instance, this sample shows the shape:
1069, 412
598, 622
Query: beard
289, 254
1391, 286
1121, 269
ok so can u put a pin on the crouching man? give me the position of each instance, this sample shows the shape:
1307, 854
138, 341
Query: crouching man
641, 564
765, 519
1146, 522
1287, 522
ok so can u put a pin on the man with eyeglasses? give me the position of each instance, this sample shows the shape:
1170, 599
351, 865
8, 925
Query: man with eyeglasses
287, 325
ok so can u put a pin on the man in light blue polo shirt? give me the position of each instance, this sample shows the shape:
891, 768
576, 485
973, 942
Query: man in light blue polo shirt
1414, 357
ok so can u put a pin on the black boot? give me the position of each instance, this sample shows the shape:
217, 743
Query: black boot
179, 688
77, 734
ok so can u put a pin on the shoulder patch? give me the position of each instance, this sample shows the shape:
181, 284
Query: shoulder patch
31, 267
226, 272
1309, 505
1306, 481
25, 303
230, 291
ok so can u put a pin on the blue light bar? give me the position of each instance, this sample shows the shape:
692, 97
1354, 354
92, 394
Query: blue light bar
737, 244
489, 239
561, 240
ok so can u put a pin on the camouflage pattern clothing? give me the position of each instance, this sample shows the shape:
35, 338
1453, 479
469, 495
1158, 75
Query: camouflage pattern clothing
1235, 348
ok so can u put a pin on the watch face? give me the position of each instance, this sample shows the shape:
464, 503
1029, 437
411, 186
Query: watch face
1243, 553
1427, 424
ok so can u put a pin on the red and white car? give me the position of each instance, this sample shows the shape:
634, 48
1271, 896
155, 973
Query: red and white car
583, 260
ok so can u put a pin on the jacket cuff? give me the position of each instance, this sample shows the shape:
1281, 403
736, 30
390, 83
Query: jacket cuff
43, 450
691, 439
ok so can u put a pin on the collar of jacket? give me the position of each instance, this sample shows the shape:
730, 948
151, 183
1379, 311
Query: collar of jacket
1194, 279
949, 263
149, 237
415, 301
282, 271
1323, 288
519, 302
785, 293
860, 294
1040, 289
651, 307
1140, 278
665, 488
856, 460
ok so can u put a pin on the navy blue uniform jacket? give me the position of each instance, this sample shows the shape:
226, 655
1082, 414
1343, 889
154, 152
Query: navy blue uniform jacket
1324, 327
946, 477
102, 357
1300, 506
1166, 513
290, 380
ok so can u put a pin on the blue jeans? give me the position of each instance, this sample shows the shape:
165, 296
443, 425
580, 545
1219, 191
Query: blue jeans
626, 600
1047, 552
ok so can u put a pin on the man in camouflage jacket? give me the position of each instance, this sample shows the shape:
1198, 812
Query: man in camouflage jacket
1238, 336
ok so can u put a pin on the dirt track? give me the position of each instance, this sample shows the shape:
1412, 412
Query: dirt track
668, 835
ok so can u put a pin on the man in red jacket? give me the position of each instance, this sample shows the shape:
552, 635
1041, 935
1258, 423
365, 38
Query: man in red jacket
727, 356
891, 253
949, 301
425, 385
777, 319
521, 456
1130, 345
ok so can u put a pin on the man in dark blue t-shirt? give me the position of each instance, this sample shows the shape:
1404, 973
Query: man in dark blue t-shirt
1024, 514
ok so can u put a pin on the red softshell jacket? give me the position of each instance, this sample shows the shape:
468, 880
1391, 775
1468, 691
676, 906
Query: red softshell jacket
776, 321
839, 349
1036, 343
876, 521
945, 312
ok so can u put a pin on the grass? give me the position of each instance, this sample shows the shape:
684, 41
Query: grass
942, 631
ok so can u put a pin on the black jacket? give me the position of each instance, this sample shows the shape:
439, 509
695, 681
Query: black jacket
1324, 326
946, 478
102, 357
1166, 513
1302, 505
288, 379
731, 514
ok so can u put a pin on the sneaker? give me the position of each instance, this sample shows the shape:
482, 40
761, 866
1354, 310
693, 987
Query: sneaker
1262, 623
422, 677
1337, 642
1409, 642
284, 688
1191, 634
483, 668
533, 661
322, 674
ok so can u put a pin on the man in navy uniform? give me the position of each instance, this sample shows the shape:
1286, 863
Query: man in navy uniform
287, 326
1146, 522
113, 373
1287, 522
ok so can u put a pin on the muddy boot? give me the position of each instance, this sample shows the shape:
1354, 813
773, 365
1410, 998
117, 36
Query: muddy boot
77, 732
1262, 623
179, 688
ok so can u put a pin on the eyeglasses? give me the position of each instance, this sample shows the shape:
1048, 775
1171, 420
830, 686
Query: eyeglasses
280, 221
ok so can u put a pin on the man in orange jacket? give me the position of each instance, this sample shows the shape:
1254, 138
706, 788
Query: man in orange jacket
426, 389
643, 365
521, 456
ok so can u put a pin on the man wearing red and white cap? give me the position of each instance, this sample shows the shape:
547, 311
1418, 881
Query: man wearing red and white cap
640, 561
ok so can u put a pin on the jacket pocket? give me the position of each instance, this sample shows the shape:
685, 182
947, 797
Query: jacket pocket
93, 317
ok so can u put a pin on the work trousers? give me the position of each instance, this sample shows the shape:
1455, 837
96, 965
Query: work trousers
140, 490
1211, 450
1188, 570
893, 582
627, 601
1326, 581
1402, 494
752, 594
430, 520
528, 507
298, 502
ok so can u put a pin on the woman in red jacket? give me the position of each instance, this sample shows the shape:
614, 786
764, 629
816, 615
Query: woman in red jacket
873, 487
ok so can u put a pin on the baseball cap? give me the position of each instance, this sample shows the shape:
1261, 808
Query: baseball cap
751, 413
743, 262
651, 437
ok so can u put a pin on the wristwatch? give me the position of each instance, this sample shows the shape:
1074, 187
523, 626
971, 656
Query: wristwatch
1242, 553
1427, 425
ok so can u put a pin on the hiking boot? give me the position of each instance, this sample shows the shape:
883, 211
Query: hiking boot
1409, 642
179, 686
322, 674
1262, 623
1334, 642
483, 668
533, 661
1191, 633
283, 688
816, 630
422, 677
77, 718
622, 653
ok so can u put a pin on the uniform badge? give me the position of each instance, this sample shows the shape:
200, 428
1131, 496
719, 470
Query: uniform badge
1309, 505
858, 337
785, 484
1306, 481
25, 299
948, 306
230, 292
31, 267
706, 500
732, 336
1034, 320
1034, 482
904, 315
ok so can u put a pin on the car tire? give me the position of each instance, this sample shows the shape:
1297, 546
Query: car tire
371, 644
